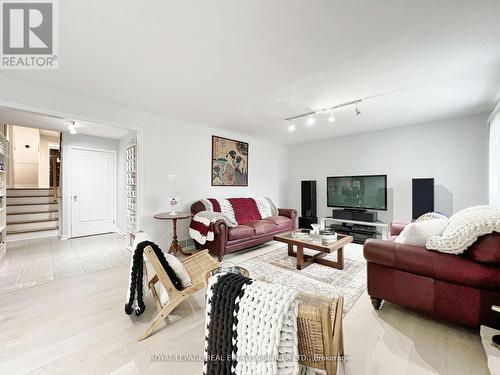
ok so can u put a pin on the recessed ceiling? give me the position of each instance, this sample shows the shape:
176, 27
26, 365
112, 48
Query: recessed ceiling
247, 65
17, 117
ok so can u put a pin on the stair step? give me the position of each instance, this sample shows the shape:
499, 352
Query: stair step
30, 196
32, 235
30, 204
31, 221
25, 208
32, 225
29, 188
44, 199
32, 212
18, 231
25, 217
29, 192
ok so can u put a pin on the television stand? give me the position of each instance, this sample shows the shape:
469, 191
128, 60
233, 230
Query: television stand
360, 230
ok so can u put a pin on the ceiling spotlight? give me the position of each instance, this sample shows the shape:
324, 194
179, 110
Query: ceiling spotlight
76, 124
358, 112
291, 128
72, 129
310, 121
331, 118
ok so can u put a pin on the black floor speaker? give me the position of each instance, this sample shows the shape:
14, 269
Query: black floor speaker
422, 191
308, 198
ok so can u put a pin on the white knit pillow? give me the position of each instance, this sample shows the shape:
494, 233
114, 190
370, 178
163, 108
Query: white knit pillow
419, 232
179, 270
464, 229
431, 216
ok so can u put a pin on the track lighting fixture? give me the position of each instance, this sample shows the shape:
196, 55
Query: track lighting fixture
310, 115
331, 118
72, 128
358, 112
291, 128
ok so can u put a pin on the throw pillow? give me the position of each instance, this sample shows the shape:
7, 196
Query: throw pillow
431, 215
464, 229
179, 270
418, 233
181, 273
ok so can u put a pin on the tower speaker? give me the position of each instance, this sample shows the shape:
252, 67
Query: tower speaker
308, 194
422, 196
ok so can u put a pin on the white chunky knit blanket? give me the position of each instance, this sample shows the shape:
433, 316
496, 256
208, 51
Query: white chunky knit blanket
251, 327
464, 228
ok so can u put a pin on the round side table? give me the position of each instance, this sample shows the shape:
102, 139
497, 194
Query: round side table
174, 247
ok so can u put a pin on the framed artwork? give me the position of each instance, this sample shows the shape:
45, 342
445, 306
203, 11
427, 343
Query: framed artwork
229, 162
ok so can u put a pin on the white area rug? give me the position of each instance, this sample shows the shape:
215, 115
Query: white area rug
29, 263
277, 267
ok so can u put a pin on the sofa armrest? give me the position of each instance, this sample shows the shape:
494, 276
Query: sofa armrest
397, 227
221, 229
289, 213
410, 258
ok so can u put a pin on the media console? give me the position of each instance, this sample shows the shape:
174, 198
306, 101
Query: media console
359, 230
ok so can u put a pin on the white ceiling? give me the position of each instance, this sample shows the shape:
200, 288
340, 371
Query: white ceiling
246, 65
40, 121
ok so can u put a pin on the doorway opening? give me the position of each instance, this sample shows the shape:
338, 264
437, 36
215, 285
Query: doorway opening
48, 202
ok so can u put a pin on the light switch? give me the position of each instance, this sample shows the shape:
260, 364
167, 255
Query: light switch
171, 178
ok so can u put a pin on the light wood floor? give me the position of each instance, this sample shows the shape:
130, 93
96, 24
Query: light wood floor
29, 263
77, 325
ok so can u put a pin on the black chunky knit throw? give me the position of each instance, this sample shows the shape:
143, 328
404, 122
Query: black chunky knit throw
136, 277
221, 338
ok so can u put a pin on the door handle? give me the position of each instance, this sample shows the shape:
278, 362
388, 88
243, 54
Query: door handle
75, 198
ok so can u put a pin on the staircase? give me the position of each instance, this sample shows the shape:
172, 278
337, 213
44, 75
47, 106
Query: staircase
31, 213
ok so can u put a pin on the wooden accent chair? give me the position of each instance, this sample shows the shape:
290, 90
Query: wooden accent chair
321, 342
197, 266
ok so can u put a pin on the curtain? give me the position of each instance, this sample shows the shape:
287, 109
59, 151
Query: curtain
494, 162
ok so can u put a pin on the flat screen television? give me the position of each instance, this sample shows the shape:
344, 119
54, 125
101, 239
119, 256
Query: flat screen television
357, 192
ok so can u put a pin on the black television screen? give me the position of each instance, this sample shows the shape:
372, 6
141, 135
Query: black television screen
357, 192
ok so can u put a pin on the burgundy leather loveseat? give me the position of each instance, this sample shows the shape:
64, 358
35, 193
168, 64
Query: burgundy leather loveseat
228, 240
457, 288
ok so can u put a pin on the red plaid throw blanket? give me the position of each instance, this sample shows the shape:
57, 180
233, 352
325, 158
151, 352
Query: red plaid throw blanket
233, 211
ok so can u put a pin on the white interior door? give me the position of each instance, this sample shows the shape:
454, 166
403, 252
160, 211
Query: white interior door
93, 175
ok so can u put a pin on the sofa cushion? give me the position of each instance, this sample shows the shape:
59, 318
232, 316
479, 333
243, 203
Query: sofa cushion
281, 222
486, 249
239, 232
262, 227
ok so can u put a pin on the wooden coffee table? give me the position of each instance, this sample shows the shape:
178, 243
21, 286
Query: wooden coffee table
304, 260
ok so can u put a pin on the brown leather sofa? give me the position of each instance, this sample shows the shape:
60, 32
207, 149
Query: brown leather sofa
228, 240
457, 288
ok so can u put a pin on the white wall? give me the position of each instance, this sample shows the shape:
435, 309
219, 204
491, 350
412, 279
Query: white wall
26, 160
44, 167
169, 147
83, 141
185, 150
454, 152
